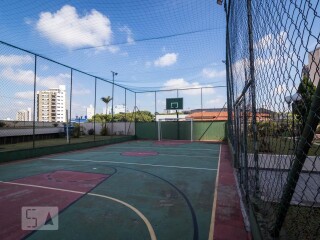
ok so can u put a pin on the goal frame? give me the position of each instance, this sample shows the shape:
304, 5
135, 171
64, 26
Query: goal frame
175, 120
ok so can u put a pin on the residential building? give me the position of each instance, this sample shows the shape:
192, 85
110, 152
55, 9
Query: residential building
222, 115
90, 111
24, 115
170, 116
208, 110
209, 116
117, 109
51, 105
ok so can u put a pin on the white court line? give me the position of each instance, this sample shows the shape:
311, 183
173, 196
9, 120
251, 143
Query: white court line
162, 154
191, 149
146, 221
140, 164
180, 155
214, 205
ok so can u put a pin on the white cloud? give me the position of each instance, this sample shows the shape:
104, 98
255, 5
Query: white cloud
271, 40
27, 77
81, 91
53, 81
281, 88
14, 60
44, 67
66, 27
113, 49
20, 76
166, 60
129, 33
125, 54
148, 64
28, 21
21, 103
216, 102
24, 95
179, 83
211, 73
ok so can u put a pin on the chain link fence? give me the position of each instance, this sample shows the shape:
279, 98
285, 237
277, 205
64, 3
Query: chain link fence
46, 103
272, 58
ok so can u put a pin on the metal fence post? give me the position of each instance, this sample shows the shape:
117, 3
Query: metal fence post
201, 104
34, 102
253, 97
125, 111
155, 103
135, 107
301, 152
71, 82
95, 106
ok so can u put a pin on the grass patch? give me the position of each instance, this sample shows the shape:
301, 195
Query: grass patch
302, 223
280, 145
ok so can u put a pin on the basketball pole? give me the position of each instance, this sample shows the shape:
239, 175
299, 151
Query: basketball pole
178, 132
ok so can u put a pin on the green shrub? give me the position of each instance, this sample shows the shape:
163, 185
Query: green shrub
2, 124
273, 129
76, 131
104, 131
91, 131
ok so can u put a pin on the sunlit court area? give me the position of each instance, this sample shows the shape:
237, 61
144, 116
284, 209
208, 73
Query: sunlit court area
160, 120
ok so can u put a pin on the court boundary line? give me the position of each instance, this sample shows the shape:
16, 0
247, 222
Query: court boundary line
160, 154
140, 214
214, 204
127, 163
191, 149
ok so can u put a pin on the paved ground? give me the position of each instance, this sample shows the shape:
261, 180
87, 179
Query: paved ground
150, 191
229, 223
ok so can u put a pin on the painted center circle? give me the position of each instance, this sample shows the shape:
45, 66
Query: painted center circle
140, 154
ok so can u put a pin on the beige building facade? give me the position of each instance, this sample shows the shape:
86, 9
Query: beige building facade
51, 105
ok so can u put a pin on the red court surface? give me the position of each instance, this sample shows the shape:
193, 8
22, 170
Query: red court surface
15, 196
229, 224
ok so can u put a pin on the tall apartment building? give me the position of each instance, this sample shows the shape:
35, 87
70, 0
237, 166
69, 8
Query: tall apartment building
90, 111
24, 115
51, 105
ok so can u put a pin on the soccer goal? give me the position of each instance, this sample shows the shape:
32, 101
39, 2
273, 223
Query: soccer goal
175, 129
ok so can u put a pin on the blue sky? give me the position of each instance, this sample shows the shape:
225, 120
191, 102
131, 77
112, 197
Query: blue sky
153, 45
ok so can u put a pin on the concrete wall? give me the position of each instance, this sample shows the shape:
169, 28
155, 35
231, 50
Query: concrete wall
8, 132
119, 128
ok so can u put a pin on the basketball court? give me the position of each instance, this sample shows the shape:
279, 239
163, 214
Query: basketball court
131, 190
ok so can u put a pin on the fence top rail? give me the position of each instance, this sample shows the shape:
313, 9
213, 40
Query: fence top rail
178, 89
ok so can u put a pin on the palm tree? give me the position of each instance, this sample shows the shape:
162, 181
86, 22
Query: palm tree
106, 100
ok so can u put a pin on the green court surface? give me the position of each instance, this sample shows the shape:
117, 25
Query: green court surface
152, 191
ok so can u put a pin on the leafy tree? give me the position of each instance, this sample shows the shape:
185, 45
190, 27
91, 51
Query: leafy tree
302, 107
141, 116
106, 100
100, 118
